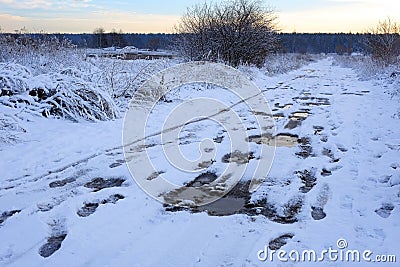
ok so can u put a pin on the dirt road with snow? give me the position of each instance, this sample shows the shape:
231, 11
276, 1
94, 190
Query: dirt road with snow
67, 197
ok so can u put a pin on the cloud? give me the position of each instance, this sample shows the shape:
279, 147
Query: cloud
9, 17
88, 21
46, 4
8, 21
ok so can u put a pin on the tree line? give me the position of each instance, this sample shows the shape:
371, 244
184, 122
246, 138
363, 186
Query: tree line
311, 43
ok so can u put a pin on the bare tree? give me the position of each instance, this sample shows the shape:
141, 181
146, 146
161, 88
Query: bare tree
235, 32
383, 41
100, 37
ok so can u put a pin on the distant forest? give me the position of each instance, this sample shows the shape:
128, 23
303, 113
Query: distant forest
314, 43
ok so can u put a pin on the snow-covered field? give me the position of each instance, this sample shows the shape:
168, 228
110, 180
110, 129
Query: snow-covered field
67, 197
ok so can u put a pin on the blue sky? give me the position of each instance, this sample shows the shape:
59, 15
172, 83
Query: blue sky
161, 16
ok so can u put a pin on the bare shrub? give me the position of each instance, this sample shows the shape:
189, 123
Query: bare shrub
383, 41
234, 32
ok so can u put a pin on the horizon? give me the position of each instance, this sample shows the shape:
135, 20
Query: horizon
156, 16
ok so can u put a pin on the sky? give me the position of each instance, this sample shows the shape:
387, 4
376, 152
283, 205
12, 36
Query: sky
156, 16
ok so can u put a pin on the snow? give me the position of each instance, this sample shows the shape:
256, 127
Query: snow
359, 129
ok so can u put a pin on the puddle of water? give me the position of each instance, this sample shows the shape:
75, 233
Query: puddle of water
224, 207
237, 201
280, 140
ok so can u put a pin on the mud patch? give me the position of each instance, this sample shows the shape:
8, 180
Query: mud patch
98, 184
238, 157
308, 179
90, 208
280, 140
53, 244
61, 183
279, 242
7, 214
305, 148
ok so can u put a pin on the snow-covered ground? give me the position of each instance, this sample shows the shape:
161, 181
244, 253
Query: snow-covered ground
67, 197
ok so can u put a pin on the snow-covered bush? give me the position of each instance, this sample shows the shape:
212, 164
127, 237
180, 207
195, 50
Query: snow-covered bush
42, 54
51, 77
74, 98
13, 79
54, 94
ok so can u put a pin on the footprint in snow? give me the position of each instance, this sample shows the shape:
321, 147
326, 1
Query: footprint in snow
385, 211
90, 208
279, 242
58, 235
